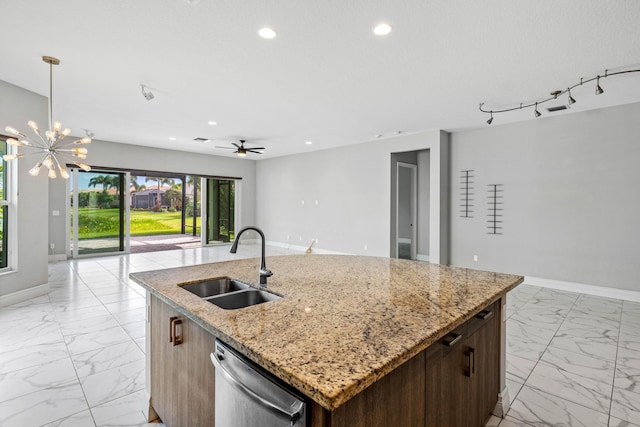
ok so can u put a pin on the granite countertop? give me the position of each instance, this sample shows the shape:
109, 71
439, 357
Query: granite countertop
344, 321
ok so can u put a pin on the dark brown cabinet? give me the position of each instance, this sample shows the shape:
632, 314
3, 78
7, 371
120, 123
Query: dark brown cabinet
469, 372
454, 382
182, 375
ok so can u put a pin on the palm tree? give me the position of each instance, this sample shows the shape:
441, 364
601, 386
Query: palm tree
136, 186
99, 180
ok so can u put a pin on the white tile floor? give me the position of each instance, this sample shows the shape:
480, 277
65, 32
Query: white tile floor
75, 357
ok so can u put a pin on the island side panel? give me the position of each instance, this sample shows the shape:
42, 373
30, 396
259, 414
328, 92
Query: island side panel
397, 399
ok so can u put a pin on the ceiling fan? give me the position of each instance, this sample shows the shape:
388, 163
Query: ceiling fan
241, 150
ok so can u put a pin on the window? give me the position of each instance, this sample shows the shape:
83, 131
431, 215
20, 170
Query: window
4, 206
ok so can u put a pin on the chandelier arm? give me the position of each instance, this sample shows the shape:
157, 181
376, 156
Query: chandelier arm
484, 109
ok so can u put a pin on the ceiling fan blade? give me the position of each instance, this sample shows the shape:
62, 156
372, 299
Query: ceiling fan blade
226, 148
256, 148
236, 145
251, 150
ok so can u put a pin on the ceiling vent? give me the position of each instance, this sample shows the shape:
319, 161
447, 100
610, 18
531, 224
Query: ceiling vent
557, 108
200, 139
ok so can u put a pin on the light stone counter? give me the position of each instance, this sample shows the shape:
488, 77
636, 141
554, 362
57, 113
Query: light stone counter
344, 321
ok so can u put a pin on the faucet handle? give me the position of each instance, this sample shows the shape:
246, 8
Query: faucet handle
265, 272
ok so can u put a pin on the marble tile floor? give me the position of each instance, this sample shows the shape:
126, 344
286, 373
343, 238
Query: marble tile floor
75, 357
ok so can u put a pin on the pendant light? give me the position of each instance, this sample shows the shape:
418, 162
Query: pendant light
50, 143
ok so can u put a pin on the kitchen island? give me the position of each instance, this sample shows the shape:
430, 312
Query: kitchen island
354, 334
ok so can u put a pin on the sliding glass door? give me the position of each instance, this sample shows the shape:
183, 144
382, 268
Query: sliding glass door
99, 212
220, 210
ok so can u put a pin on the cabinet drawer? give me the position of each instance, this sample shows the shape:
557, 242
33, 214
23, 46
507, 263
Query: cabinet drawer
483, 317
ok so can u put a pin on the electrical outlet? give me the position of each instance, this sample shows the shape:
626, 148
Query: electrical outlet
475, 258
365, 247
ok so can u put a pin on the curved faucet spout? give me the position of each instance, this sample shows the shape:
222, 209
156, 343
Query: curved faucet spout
264, 272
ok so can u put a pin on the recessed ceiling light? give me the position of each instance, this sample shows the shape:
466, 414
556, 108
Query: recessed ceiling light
172, 138
382, 29
212, 123
309, 142
267, 33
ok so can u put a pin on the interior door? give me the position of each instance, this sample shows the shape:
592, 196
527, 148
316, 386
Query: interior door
406, 215
220, 211
99, 219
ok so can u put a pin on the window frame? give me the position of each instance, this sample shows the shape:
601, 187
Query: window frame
7, 205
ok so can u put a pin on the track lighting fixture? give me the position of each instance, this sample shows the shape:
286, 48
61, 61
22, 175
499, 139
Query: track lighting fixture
148, 95
554, 95
599, 90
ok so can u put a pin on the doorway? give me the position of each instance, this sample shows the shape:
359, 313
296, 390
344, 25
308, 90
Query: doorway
220, 211
406, 210
410, 205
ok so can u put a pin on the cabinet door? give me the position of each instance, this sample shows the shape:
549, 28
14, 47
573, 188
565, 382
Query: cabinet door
484, 360
161, 360
455, 382
182, 375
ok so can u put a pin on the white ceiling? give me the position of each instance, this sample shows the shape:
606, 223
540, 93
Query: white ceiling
326, 78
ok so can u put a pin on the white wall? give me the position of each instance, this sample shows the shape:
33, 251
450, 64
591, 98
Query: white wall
17, 107
125, 156
352, 185
571, 197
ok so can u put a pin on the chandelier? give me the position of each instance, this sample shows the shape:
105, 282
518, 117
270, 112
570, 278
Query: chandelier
50, 143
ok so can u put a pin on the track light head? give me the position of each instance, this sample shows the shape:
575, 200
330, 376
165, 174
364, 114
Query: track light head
599, 90
536, 112
571, 99
148, 95
490, 119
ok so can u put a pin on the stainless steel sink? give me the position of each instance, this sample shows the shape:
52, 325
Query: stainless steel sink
213, 287
229, 293
241, 299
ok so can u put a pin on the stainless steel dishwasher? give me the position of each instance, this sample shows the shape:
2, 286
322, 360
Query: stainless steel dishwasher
248, 396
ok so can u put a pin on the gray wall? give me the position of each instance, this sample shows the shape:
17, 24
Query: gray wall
125, 156
571, 197
17, 107
352, 185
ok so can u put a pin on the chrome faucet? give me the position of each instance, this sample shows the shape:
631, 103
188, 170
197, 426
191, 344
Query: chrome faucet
263, 272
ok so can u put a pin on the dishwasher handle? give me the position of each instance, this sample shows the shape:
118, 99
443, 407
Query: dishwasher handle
297, 409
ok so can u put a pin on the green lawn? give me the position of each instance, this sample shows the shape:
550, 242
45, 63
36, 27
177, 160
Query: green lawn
94, 223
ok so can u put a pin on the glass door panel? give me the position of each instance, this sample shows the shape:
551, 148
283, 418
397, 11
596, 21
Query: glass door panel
220, 214
98, 207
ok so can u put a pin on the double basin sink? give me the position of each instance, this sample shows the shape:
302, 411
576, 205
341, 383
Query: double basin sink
228, 293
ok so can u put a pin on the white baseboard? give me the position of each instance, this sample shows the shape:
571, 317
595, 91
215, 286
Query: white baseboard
600, 291
424, 258
503, 404
24, 295
297, 248
57, 258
